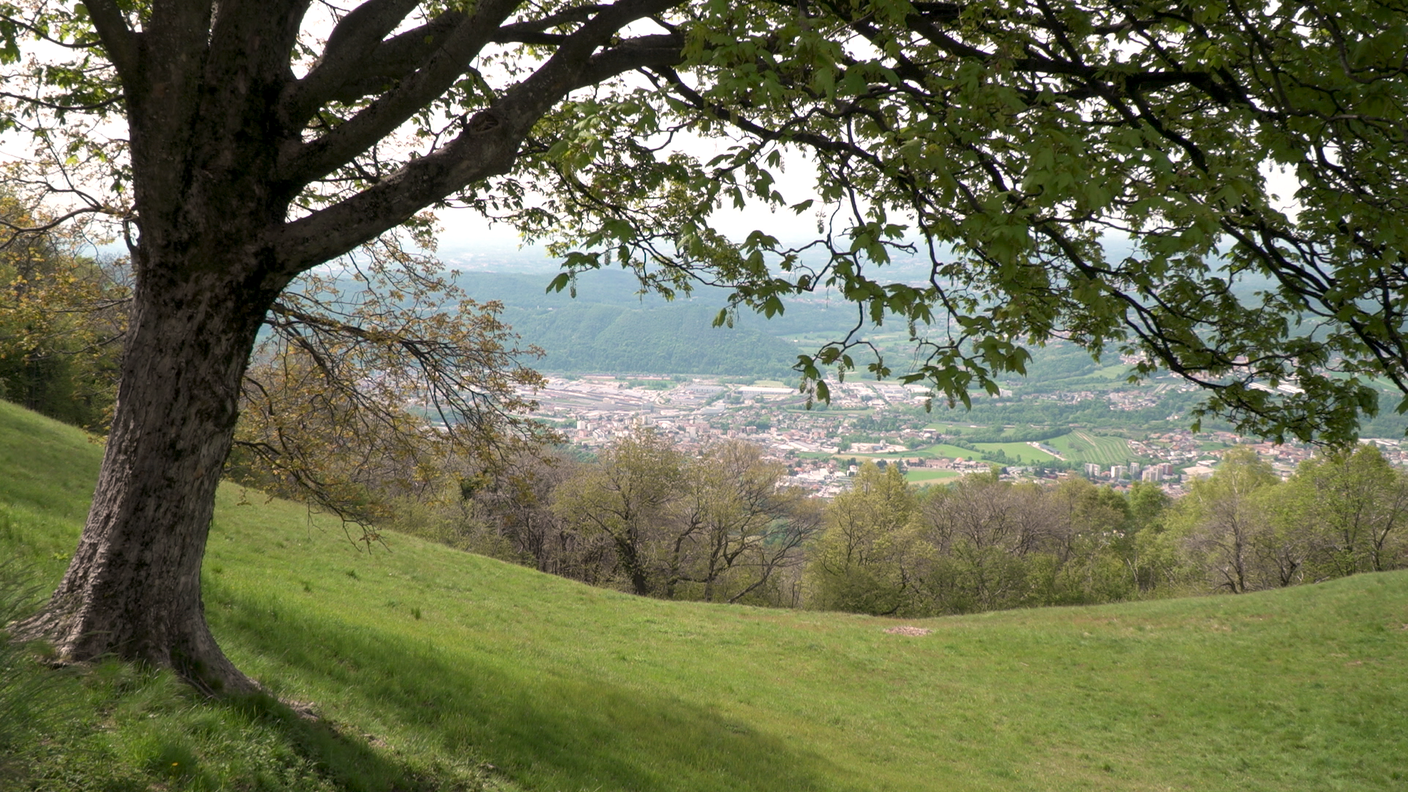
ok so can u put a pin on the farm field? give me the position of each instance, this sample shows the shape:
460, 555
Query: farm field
1082, 446
929, 476
949, 451
1018, 452
1119, 371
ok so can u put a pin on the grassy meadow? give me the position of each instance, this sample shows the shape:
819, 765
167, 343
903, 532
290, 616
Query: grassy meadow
923, 476
1020, 453
431, 669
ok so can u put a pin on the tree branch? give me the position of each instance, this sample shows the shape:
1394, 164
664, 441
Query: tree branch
535, 31
487, 147
435, 74
386, 63
119, 41
354, 47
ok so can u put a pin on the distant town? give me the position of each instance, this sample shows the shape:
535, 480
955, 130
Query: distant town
593, 410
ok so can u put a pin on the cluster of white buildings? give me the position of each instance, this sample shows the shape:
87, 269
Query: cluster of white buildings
1134, 471
594, 411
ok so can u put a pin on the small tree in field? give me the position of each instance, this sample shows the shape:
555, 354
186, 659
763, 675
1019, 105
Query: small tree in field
1349, 508
718, 527
866, 558
742, 530
1225, 523
625, 500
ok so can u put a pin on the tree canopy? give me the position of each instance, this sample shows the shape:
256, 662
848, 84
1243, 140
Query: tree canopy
1216, 189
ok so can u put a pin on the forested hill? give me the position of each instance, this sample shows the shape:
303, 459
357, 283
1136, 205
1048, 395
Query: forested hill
610, 328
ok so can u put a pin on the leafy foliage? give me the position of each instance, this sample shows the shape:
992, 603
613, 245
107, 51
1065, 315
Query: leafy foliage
864, 562
1073, 170
61, 319
1228, 522
983, 544
1347, 511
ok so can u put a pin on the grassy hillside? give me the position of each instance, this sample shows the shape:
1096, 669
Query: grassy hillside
433, 669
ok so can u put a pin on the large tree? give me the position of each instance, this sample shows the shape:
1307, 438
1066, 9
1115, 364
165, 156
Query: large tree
260, 140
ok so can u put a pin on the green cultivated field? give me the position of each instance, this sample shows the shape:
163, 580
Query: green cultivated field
1112, 373
1017, 451
437, 670
1086, 447
948, 451
929, 476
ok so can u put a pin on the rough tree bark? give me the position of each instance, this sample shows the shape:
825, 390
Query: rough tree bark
133, 586
224, 139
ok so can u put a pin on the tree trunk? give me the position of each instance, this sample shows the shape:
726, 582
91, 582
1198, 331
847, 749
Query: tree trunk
628, 554
132, 588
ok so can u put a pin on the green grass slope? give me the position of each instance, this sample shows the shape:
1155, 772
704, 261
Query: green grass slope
433, 669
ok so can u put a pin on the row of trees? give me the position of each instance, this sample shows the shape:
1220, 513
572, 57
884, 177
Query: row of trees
984, 543
1244, 529
646, 518
979, 544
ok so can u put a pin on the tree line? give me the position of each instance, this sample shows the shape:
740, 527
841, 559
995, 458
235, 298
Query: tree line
984, 543
324, 420
648, 518
61, 322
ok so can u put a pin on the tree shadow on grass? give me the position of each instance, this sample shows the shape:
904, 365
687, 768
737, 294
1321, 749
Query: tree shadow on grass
347, 760
542, 730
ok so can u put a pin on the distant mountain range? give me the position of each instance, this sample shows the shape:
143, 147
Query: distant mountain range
610, 328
